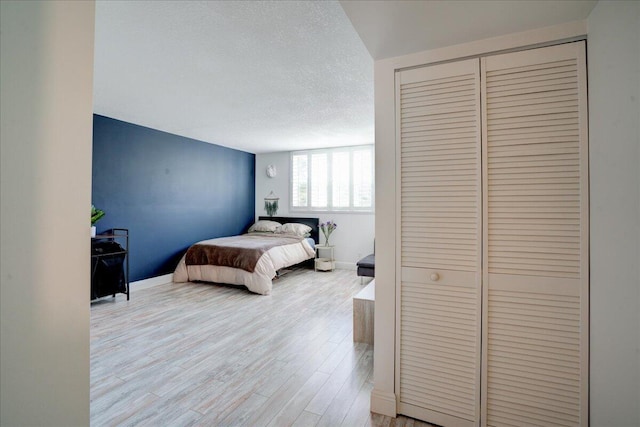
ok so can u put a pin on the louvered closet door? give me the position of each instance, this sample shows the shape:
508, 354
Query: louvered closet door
535, 333
438, 352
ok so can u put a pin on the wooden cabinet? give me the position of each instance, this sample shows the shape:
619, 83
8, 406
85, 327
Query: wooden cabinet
493, 262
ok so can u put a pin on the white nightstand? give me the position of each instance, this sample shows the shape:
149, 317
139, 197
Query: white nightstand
324, 264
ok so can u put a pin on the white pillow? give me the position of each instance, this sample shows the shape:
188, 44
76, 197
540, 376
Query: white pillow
265, 226
296, 229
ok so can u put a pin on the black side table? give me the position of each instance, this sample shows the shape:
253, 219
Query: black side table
110, 263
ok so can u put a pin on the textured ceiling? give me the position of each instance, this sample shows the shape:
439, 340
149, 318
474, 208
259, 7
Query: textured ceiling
394, 28
265, 76
256, 76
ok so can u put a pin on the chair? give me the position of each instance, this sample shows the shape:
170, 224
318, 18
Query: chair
366, 266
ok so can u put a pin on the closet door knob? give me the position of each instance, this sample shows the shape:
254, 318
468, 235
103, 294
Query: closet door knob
435, 277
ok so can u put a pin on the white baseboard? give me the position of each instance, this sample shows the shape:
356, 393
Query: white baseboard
346, 265
150, 282
383, 402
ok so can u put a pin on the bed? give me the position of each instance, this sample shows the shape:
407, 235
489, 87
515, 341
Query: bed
251, 259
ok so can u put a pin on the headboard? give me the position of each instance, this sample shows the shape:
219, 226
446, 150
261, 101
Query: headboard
314, 223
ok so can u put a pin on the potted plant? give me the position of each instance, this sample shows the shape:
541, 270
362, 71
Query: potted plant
96, 215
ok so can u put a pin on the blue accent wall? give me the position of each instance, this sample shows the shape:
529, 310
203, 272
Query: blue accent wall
169, 191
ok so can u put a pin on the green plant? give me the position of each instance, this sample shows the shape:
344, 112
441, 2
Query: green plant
96, 215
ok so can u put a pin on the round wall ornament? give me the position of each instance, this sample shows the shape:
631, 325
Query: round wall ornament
271, 171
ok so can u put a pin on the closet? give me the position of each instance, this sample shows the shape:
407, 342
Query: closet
492, 267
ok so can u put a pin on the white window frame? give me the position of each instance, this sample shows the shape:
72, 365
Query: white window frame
330, 208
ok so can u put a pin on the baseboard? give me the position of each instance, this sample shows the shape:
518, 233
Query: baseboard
150, 282
383, 402
346, 265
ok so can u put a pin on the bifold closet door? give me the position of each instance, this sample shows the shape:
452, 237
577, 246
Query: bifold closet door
439, 206
535, 285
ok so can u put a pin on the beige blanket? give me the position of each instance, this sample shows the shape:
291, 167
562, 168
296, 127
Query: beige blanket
237, 251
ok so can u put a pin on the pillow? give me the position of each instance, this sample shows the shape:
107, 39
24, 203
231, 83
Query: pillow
265, 226
296, 229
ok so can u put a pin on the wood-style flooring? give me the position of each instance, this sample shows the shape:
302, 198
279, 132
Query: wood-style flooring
193, 354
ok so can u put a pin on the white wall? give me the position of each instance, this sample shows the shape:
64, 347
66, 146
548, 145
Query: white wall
614, 143
46, 71
355, 233
383, 398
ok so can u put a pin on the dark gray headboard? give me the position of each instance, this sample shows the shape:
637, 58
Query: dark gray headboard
314, 223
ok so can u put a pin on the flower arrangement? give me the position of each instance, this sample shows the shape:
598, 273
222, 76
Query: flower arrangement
327, 228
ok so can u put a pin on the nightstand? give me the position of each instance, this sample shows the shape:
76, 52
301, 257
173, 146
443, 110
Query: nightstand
324, 264
110, 263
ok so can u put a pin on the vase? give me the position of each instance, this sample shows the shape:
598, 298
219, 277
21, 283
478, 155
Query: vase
93, 231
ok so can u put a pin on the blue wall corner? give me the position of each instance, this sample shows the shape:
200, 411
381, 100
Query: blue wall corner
169, 191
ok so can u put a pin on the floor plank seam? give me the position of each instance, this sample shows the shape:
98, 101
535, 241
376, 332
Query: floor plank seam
202, 354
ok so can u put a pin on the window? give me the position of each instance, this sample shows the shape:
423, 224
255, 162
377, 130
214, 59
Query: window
335, 179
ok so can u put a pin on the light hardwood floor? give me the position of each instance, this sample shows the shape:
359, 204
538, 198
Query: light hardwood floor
207, 355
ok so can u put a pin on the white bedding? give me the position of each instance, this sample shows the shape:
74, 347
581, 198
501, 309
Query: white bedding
260, 281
